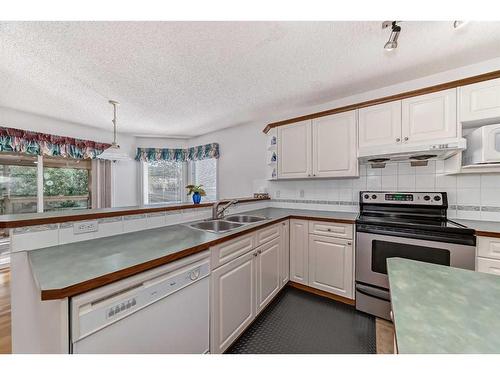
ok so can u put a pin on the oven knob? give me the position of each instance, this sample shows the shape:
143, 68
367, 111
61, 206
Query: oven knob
367, 196
437, 198
426, 198
374, 196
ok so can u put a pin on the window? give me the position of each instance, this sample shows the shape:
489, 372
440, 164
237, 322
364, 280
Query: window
18, 183
164, 181
204, 172
66, 184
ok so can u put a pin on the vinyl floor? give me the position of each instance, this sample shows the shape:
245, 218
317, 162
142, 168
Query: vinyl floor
300, 322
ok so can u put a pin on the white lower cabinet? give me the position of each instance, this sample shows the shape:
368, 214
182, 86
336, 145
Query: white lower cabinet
232, 301
268, 272
298, 251
324, 261
285, 252
242, 287
331, 265
486, 265
488, 255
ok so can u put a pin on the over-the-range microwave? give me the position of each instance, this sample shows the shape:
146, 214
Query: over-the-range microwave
483, 145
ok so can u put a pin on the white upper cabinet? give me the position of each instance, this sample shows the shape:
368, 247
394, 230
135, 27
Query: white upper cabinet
295, 150
430, 117
380, 125
334, 145
480, 102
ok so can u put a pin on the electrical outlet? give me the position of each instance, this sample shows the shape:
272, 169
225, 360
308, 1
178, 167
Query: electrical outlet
278, 193
301, 193
85, 227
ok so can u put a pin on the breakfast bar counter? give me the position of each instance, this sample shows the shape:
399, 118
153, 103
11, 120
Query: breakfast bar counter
439, 309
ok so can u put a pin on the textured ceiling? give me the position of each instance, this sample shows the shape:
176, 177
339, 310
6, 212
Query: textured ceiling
190, 78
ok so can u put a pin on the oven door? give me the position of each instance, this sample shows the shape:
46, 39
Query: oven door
373, 250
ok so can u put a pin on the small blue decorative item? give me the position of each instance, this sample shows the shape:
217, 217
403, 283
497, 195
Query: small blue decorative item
197, 191
196, 198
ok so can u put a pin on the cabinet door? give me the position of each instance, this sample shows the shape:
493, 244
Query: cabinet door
491, 266
331, 265
380, 125
298, 251
480, 102
285, 252
430, 117
268, 272
334, 145
232, 301
294, 150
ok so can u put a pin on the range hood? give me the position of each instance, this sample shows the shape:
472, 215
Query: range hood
437, 150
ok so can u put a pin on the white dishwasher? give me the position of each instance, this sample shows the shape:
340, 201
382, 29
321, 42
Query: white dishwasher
164, 310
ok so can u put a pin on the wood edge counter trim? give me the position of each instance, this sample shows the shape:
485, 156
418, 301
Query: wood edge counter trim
322, 293
385, 99
100, 215
481, 233
85, 286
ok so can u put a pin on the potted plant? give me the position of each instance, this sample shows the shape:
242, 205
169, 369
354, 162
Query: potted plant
197, 192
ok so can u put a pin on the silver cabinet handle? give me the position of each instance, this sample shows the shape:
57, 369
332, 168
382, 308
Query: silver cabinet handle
329, 229
260, 251
398, 139
255, 254
406, 138
349, 242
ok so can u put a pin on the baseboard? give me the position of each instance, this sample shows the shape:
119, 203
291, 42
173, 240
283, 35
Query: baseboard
322, 293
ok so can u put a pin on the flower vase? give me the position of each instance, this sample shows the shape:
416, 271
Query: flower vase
196, 198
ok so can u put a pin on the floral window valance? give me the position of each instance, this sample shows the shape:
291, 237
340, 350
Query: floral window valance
208, 151
33, 143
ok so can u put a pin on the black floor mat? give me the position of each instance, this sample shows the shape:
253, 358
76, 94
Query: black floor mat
300, 322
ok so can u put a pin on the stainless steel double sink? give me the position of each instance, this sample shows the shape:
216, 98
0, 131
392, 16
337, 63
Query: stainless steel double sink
226, 224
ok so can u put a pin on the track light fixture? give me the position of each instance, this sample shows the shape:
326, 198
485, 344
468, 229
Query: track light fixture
459, 24
392, 43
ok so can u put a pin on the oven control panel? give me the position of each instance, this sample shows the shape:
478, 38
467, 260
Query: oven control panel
391, 197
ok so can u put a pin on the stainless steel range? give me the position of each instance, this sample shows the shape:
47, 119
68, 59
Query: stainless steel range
406, 225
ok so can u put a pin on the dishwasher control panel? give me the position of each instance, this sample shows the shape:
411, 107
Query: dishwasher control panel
91, 316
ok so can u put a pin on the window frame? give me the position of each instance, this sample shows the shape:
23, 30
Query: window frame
187, 178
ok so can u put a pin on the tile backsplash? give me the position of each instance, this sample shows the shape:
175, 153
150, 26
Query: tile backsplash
470, 196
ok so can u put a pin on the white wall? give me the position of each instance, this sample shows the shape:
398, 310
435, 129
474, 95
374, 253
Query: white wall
124, 182
242, 163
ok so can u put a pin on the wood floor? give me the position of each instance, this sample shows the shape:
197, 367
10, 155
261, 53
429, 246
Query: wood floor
384, 329
5, 333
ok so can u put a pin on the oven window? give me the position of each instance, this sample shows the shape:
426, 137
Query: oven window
381, 250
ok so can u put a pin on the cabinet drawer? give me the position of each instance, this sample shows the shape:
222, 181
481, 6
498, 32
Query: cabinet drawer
267, 234
488, 247
325, 228
227, 251
491, 266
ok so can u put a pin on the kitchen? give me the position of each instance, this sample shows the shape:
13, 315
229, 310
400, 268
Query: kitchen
273, 219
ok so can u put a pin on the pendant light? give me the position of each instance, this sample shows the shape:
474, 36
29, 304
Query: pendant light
113, 152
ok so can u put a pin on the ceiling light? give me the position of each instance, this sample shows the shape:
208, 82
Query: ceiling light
459, 24
392, 43
113, 152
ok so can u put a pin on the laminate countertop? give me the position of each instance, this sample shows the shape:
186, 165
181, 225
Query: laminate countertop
67, 270
482, 228
439, 309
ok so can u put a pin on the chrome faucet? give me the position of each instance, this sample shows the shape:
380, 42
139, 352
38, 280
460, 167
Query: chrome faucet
219, 213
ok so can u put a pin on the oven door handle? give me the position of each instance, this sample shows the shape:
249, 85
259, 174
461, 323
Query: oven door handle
373, 292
